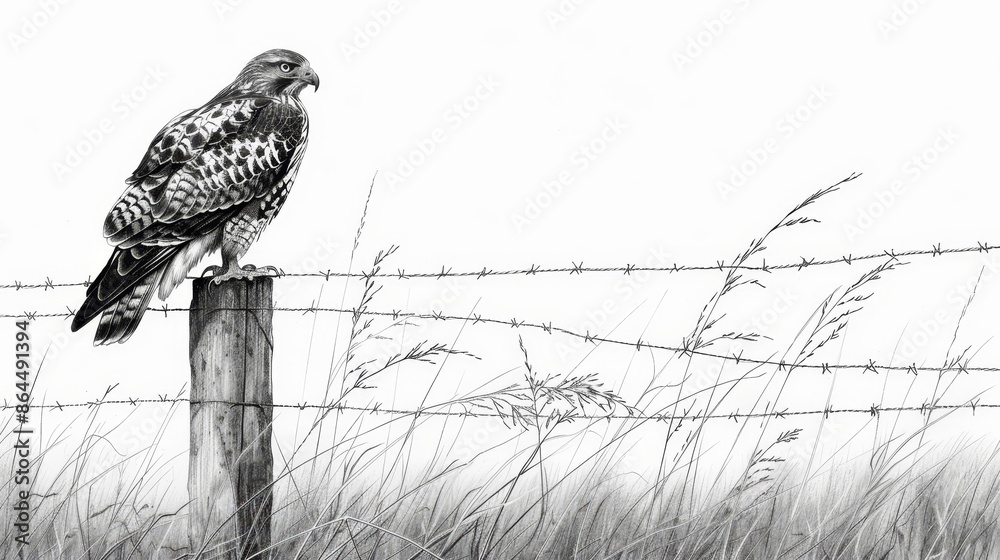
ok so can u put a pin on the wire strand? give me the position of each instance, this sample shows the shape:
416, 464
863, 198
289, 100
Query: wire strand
638, 345
873, 410
534, 270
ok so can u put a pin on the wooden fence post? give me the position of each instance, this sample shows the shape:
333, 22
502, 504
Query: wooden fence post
231, 466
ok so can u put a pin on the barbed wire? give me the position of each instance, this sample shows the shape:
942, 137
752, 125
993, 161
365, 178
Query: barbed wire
578, 268
824, 367
874, 410
48, 284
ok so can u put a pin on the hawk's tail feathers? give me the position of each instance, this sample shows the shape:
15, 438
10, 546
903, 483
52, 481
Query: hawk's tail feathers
130, 277
119, 321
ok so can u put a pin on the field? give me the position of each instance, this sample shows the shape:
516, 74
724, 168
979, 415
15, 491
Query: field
694, 459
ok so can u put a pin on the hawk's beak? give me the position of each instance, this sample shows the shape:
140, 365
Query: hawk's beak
310, 77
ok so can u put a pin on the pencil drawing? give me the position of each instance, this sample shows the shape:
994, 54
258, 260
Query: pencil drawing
570, 281
212, 179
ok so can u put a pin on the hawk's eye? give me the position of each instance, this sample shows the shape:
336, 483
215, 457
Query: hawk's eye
285, 67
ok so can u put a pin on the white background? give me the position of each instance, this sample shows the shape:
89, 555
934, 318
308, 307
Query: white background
699, 88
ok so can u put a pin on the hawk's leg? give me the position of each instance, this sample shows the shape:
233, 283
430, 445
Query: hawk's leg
237, 235
231, 269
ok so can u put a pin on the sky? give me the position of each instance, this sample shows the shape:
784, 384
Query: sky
553, 133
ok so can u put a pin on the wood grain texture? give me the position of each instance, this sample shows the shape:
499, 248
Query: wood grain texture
231, 466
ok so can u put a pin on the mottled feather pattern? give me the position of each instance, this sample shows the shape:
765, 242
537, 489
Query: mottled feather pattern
212, 178
182, 140
168, 154
235, 170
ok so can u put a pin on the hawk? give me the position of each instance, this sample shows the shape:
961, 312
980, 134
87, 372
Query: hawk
212, 179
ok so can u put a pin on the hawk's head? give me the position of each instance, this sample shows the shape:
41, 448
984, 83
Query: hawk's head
277, 72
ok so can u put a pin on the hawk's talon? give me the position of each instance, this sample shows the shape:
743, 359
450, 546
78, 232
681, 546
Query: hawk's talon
267, 270
213, 270
247, 272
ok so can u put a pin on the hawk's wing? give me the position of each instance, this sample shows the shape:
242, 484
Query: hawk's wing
198, 172
206, 162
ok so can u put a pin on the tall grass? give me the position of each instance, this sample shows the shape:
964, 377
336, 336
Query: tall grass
562, 481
